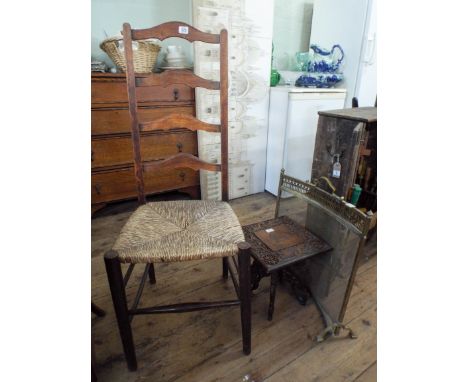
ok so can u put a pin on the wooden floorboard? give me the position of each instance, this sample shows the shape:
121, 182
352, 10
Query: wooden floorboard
207, 346
368, 375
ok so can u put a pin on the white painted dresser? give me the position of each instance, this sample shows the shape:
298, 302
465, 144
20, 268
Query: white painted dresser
292, 125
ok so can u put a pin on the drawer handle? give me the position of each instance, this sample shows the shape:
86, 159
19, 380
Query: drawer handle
182, 176
180, 146
176, 94
97, 187
92, 156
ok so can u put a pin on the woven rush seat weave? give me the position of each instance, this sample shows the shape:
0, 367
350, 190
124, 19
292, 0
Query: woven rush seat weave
179, 231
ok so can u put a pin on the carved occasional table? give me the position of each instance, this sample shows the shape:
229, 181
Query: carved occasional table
277, 244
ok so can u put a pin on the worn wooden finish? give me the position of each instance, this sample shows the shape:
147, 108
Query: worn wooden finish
117, 151
152, 274
205, 345
223, 70
282, 237
370, 374
309, 244
177, 77
132, 108
360, 114
108, 120
184, 307
182, 161
172, 29
179, 120
117, 288
111, 89
337, 136
288, 244
119, 183
245, 297
111, 145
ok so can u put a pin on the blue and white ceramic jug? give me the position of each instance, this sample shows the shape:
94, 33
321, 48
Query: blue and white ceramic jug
323, 68
324, 61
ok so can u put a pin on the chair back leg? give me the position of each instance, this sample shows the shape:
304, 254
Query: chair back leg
245, 294
117, 287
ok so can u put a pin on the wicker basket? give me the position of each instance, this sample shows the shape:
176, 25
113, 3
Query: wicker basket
144, 57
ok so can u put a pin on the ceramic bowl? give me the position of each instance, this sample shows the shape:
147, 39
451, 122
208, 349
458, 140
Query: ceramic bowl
319, 80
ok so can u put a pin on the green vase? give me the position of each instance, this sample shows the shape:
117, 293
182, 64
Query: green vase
274, 77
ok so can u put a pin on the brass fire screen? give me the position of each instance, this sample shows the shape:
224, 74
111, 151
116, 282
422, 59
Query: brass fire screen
329, 277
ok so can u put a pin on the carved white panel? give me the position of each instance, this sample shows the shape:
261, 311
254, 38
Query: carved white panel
250, 38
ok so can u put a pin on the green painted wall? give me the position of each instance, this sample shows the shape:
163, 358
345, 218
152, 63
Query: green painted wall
291, 30
107, 16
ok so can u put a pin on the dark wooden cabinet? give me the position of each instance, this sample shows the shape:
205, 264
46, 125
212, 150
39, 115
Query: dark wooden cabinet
112, 174
350, 134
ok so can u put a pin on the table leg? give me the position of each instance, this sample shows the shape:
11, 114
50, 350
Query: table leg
273, 283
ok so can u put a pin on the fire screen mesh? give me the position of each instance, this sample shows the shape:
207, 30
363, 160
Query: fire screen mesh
328, 276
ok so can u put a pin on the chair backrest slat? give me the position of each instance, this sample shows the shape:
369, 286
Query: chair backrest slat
182, 160
173, 121
170, 77
175, 29
177, 76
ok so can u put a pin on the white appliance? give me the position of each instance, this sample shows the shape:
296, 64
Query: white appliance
352, 25
292, 127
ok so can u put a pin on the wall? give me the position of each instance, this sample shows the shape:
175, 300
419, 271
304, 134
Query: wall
107, 16
291, 30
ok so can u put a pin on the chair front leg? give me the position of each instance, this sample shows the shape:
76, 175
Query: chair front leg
225, 268
152, 274
117, 287
245, 295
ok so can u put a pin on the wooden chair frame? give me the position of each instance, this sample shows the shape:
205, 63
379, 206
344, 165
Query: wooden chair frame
116, 279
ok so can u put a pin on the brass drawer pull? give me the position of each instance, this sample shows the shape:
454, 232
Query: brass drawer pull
182, 176
176, 94
92, 156
180, 146
97, 187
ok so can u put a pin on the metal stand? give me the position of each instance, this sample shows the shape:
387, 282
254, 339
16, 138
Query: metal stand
332, 328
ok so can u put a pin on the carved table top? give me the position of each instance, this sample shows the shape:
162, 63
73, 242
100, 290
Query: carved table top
280, 242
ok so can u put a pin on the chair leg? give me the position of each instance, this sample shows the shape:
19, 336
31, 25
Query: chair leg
245, 293
273, 283
225, 268
117, 287
152, 274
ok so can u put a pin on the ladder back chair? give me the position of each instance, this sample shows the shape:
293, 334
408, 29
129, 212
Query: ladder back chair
178, 230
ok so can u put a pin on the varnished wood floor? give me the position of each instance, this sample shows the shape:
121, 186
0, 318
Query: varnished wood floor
206, 346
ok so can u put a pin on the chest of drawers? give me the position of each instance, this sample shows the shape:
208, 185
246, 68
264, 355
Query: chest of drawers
112, 176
